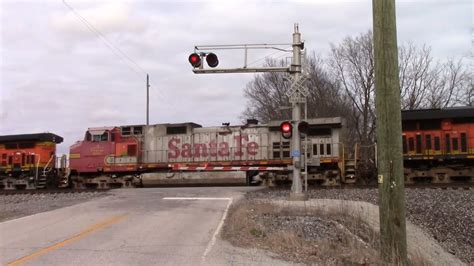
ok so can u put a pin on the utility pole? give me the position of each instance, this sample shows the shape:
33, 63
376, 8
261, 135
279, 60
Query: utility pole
147, 100
389, 131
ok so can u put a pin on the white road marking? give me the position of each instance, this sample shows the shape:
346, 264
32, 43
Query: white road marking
194, 198
219, 226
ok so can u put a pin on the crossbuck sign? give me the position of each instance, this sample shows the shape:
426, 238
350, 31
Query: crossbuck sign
298, 91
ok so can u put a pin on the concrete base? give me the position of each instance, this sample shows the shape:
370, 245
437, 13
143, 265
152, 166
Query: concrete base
298, 196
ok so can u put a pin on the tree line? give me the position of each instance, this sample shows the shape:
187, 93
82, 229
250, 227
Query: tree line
341, 83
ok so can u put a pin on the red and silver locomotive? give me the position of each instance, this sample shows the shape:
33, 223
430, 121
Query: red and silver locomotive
188, 153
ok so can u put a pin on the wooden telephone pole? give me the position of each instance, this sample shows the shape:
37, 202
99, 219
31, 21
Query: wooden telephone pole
389, 132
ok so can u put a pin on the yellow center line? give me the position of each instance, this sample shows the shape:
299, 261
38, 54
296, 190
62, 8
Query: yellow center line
90, 230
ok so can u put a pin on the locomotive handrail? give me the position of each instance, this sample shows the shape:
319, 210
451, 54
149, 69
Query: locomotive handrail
47, 164
37, 167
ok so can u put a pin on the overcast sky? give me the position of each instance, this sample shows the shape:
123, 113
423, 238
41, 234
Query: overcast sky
59, 76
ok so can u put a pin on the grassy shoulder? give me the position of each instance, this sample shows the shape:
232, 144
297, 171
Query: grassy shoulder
302, 236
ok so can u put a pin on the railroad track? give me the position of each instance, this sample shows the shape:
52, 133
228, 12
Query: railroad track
50, 191
346, 186
417, 186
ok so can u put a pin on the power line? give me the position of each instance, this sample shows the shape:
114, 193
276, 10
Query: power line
117, 51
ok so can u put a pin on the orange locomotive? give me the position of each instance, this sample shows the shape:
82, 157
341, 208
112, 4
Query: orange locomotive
438, 145
29, 161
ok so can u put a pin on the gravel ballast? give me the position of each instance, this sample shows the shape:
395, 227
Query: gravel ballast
19, 205
446, 215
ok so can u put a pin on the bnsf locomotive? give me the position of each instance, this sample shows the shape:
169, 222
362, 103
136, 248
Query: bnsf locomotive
438, 147
29, 161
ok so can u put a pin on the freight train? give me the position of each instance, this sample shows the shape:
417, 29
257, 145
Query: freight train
438, 147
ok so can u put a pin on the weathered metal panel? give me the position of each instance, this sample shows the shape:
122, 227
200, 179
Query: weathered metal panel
224, 144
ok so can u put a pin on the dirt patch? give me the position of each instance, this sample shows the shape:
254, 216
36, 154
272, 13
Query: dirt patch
301, 236
19, 205
444, 214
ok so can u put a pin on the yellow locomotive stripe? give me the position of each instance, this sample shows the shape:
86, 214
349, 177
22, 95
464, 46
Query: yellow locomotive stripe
74, 155
90, 230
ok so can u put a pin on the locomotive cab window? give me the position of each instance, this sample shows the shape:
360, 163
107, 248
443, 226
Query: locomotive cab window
328, 149
137, 131
101, 137
88, 136
126, 131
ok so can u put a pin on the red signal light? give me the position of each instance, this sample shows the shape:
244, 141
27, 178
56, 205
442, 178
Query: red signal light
286, 129
195, 60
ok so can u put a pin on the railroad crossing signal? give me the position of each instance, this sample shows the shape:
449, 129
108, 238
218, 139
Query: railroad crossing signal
196, 59
298, 91
286, 129
303, 128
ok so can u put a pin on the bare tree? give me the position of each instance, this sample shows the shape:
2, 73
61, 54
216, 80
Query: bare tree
415, 75
325, 97
352, 65
266, 93
451, 83
466, 97
428, 84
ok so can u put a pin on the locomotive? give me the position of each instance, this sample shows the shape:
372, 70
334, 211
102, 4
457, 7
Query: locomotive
29, 161
438, 147
187, 153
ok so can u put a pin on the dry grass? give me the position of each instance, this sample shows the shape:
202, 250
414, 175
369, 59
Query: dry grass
282, 231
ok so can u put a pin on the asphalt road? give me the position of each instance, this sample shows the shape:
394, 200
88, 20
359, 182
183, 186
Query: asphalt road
156, 226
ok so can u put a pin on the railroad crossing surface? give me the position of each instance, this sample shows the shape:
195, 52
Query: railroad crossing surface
155, 226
